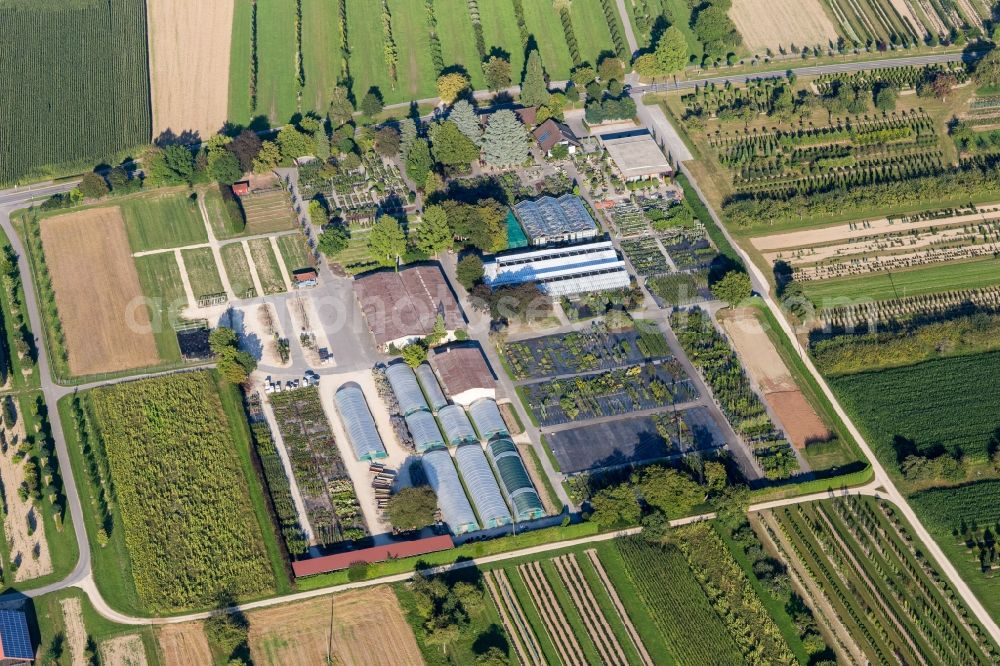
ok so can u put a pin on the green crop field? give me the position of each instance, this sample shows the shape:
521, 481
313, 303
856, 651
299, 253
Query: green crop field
500, 31
367, 59
295, 252
160, 277
185, 504
458, 39
944, 403
202, 272
267, 266
321, 57
544, 24
234, 261
241, 63
930, 279
277, 87
76, 85
592, 31
162, 219
417, 76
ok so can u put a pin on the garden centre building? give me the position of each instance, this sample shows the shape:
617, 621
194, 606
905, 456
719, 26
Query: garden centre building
561, 271
635, 155
549, 220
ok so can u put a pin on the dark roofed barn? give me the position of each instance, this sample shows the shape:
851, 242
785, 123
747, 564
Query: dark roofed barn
552, 133
464, 372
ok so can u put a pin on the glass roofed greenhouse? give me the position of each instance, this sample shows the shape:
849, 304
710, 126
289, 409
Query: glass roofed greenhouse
358, 422
487, 418
424, 430
443, 479
431, 387
404, 385
514, 480
482, 485
457, 427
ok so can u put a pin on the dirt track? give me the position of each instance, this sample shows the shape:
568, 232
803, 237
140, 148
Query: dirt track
76, 634
362, 627
97, 292
768, 24
189, 64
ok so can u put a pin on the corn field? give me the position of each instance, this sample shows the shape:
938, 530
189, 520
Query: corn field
78, 82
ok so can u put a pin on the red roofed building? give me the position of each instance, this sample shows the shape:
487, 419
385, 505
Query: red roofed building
242, 188
393, 551
464, 372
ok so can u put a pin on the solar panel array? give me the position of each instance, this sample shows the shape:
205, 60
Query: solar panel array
14, 632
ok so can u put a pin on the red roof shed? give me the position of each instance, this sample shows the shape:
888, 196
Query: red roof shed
318, 565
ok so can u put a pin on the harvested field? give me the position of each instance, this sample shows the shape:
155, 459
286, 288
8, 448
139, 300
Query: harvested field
802, 22
267, 212
801, 423
189, 43
76, 633
29, 551
97, 292
361, 627
184, 644
123, 651
266, 264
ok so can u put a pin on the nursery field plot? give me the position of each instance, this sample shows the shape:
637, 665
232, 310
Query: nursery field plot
500, 31
368, 67
544, 23
240, 62
458, 39
266, 263
417, 76
276, 60
169, 434
354, 628
803, 22
646, 256
321, 56
690, 250
268, 212
162, 219
525, 642
160, 277
609, 393
234, 261
927, 408
847, 545
592, 30
628, 219
322, 477
634, 440
295, 252
202, 272
679, 288
596, 348
96, 285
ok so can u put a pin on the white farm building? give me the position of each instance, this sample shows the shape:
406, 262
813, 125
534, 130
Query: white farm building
561, 271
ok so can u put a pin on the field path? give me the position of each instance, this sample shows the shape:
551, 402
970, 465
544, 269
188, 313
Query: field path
281, 263
188, 291
216, 253
253, 268
76, 633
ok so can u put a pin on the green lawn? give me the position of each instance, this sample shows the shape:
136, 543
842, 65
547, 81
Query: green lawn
234, 261
364, 33
500, 31
160, 277
267, 266
202, 272
458, 40
321, 57
295, 252
223, 226
162, 219
240, 110
416, 73
544, 23
914, 282
591, 29
276, 75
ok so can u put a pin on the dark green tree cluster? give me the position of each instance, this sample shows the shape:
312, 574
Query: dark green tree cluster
448, 607
412, 508
234, 365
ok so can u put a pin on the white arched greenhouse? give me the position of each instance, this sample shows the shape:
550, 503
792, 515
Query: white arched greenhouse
358, 422
404, 385
443, 479
482, 485
424, 430
514, 480
457, 427
487, 418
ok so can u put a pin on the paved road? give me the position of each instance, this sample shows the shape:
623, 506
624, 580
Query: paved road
882, 478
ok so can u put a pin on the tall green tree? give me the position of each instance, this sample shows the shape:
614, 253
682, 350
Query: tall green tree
407, 135
505, 142
418, 161
294, 143
224, 168
93, 185
534, 90
172, 165
464, 117
371, 104
412, 508
497, 73
433, 235
450, 146
733, 288
987, 71
341, 109
386, 242
671, 51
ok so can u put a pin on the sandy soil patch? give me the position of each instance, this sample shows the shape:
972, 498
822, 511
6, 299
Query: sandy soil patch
362, 627
398, 457
123, 651
29, 550
256, 326
184, 644
768, 24
97, 290
76, 633
801, 423
905, 10
306, 320
189, 64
